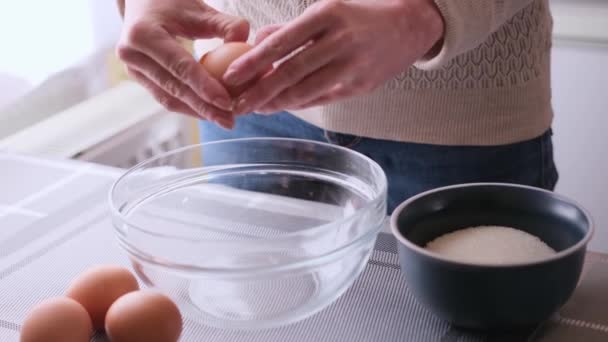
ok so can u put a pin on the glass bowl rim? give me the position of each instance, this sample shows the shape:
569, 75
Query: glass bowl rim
118, 215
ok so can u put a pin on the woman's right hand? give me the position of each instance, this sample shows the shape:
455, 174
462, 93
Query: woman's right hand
155, 58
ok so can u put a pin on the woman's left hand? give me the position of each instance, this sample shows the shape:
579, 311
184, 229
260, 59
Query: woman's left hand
340, 49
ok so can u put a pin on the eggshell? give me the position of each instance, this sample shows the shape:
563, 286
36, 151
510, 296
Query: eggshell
97, 288
57, 320
144, 316
217, 61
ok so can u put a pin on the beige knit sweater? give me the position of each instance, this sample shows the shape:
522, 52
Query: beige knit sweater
488, 85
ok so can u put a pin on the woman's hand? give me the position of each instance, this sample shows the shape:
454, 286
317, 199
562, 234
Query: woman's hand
342, 49
155, 58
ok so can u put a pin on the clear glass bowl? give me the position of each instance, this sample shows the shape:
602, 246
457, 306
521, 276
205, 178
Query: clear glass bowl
251, 233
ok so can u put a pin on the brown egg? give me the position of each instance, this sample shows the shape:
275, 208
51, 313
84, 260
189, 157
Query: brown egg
217, 61
97, 288
57, 320
143, 316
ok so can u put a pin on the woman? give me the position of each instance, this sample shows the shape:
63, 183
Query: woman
437, 92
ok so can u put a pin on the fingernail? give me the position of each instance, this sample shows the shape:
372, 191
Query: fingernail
227, 123
269, 108
242, 106
223, 103
267, 111
232, 78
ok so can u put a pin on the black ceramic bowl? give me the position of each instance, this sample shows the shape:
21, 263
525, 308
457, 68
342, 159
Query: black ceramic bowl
484, 296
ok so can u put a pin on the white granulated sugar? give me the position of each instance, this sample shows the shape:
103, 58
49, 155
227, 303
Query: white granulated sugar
490, 245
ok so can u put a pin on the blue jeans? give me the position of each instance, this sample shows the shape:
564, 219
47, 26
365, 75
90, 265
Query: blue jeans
412, 168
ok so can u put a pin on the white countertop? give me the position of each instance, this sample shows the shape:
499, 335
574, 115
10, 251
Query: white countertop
55, 224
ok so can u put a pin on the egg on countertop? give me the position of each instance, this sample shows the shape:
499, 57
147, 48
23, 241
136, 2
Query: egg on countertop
143, 316
57, 320
97, 288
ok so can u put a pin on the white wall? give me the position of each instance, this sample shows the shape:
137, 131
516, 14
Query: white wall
580, 100
106, 22
42, 37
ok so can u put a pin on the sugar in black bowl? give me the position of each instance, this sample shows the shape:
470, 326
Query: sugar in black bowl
492, 296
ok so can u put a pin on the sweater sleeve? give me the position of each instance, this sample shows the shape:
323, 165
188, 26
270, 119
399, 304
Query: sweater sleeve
468, 23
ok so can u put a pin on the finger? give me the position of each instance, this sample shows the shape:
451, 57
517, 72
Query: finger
318, 84
168, 53
287, 74
172, 86
278, 45
210, 23
228, 27
171, 103
266, 31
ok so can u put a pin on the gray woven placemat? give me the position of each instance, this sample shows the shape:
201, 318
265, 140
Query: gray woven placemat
40, 260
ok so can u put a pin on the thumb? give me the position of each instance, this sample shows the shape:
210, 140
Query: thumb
228, 27
209, 23
266, 31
